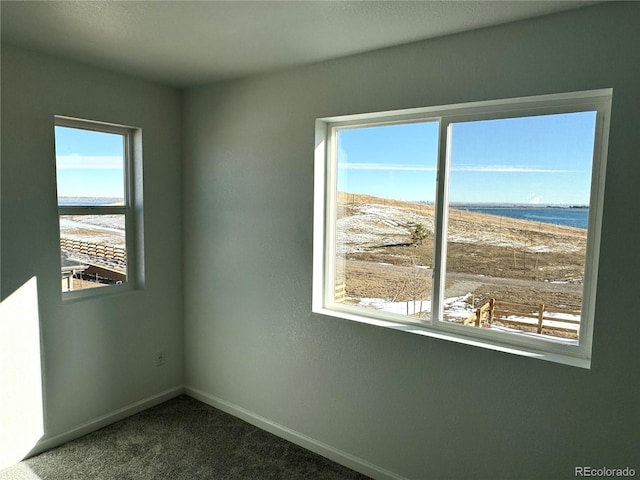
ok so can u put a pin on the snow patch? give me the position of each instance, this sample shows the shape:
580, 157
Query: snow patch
457, 309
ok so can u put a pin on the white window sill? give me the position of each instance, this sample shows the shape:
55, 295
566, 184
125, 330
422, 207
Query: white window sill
490, 344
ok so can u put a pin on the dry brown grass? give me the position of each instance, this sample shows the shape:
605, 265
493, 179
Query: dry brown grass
487, 255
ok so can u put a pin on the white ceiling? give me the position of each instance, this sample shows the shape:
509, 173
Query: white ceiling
187, 43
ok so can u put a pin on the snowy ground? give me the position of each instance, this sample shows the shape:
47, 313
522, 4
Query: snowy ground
373, 225
94, 229
457, 309
106, 229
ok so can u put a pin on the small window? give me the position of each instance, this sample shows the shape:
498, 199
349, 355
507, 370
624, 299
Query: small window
95, 170
479, 222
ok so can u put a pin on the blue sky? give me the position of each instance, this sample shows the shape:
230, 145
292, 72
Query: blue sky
542, 160
89, 163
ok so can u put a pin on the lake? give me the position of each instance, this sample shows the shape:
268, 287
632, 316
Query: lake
90, 201
570, 217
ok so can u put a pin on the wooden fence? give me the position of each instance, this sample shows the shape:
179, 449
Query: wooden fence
111, 252
500, 310
341, 293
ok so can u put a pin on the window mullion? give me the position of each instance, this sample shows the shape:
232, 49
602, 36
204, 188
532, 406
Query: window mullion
129, 192
440, 222
331, 199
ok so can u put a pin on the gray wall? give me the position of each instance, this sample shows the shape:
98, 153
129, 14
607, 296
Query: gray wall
416, 406
98, 354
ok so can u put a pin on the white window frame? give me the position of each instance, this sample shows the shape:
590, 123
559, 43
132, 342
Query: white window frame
325, 194
132, 208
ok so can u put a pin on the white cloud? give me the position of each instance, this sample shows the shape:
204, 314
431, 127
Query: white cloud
460, 168
93, 162
508, 169
385, 166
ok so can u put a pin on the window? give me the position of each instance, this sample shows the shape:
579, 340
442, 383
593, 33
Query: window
478, 223
98, 184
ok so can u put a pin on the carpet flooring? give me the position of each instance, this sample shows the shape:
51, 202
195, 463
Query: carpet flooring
182, 439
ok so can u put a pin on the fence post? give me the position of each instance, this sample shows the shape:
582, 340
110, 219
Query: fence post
478, 316
540, 315
492, 307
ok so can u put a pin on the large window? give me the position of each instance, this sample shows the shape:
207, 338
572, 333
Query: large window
477, 222
97, 175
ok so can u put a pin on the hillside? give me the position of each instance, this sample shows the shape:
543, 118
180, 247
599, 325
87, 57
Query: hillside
487, 256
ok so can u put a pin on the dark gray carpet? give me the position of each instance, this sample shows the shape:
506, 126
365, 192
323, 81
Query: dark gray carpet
182, 439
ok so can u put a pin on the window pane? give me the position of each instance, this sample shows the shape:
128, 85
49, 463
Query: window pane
89, 167
519, 192
384, 225
93, 251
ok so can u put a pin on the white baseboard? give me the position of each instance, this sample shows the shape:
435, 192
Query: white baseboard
46, 442
338, 456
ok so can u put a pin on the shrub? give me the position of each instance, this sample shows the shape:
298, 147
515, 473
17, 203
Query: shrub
419, 234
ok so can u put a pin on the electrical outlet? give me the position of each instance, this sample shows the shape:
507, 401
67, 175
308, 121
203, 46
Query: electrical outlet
160, 358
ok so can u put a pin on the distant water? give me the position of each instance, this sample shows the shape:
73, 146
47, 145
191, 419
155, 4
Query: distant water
570, 217
89, 201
